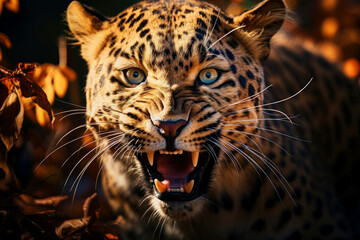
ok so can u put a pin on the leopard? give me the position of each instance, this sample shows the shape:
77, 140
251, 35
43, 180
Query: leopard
217, 126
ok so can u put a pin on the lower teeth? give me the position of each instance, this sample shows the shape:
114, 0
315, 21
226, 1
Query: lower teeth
175, 190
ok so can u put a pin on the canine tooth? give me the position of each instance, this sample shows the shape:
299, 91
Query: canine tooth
195, 158
182, 190
160, 186
188, 187
161, 151
150, 156
180, 151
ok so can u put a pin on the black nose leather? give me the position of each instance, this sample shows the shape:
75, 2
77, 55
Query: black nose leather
170, 130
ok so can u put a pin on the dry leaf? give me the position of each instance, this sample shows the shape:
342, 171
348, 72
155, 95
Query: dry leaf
41, 116
68, 73
91, 208
53, 80
40, 73
68, 227
48, 87
53, 201
111, 236
31, 89
5, 41
88, 227
11, 118
60, 83
11, 5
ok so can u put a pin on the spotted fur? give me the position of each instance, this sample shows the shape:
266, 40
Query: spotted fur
265, 179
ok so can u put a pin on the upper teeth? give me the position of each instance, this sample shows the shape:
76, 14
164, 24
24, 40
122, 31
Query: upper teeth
194, 156
179, 151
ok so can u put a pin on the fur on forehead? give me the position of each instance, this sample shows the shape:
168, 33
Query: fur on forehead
254, 27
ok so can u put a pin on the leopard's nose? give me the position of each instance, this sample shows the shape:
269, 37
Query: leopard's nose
170, 130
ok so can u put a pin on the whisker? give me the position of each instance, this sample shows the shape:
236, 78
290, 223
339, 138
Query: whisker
71, 114
247, 157
276, 172
271, 165
256, 135
68, 103
227, 152
70, 111
269, 110
217, 18
262, 119
97, 147
225, 35
211, 151
56, 149
288, 98
82, 126
78, 178
280, 133
245, 99
115, 156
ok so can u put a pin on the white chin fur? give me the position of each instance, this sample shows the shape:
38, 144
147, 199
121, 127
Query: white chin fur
179, 211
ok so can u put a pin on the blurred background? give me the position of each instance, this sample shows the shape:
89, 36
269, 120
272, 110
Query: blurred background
35, 31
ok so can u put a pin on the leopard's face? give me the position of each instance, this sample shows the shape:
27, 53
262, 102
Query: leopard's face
172, 89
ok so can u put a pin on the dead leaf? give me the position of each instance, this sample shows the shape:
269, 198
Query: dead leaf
31, 89
28, 88
8, 180
12, 5
68, 227
60, 83
53, 201
41, 116
48, 87
5, 41
53, 79
11, 119
88, 227
111, 236
91, 208
40, 73
68, 73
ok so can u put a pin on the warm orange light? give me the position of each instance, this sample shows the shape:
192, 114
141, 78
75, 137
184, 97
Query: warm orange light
351, 67
329, 27
330, 50
329, 5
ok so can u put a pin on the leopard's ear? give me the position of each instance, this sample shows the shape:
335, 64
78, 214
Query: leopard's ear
262, 22
86, 25
83, 20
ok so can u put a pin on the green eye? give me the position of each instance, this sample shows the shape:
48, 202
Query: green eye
134, 75
209, 75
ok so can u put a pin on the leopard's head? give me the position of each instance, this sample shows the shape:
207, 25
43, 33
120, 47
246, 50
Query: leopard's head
175, 87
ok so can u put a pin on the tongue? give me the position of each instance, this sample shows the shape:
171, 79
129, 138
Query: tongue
174, 168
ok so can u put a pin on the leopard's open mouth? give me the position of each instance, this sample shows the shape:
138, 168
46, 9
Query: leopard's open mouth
178, 175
